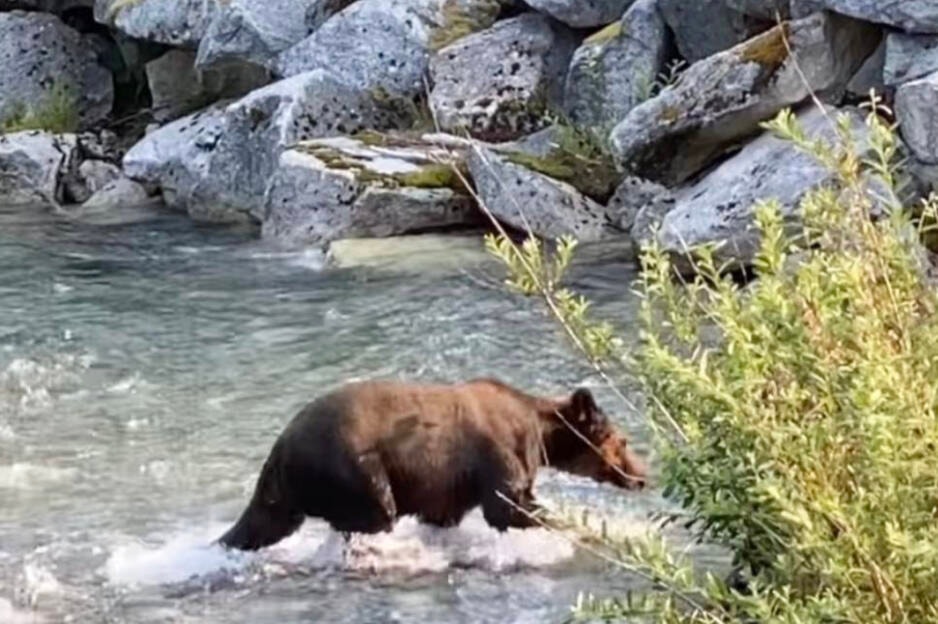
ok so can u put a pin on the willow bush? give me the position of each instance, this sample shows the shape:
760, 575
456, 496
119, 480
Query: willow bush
795, 415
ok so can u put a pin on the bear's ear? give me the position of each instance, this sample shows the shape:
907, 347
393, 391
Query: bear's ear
583, 403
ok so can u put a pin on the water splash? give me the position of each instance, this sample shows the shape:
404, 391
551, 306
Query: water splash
11, 615
410, 549
27, 476
34, 383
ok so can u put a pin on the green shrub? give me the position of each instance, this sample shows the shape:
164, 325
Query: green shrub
57, 112
796, 415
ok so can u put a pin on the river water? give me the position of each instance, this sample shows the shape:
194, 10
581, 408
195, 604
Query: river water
145, 370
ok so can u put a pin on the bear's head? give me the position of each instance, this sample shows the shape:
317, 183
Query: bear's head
586, 443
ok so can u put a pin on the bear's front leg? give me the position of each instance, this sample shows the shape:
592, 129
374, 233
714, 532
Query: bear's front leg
372, 466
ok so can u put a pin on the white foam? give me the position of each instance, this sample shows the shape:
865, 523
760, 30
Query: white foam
184, 556
411, 548
37, 581
24, 476
11, 615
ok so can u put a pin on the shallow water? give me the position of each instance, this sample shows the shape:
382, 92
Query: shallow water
145, 370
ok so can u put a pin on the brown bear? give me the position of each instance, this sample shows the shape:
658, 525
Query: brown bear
370, 452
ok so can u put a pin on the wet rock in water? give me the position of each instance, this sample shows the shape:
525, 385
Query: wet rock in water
328, 189
33, 165
915, 107
582, 13
530, 201
909, 57
91, 176
256, 32
719, 207
118, 193
217, 163
171, 22
615, 69
635, 197
704, 27
722, 99
48, 68
418, 253
916, 16
568, 154
499, 83
178, 88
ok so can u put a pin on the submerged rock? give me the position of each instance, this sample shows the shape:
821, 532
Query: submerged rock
616, 69
413, 253
704, 27
498, 84
217, 163
39, 54
916, 104
722, 99
582, 13
719, 207
256, 32
530, 201
33, 166
329, 189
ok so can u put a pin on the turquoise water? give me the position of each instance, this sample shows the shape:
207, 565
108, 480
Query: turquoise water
145, 369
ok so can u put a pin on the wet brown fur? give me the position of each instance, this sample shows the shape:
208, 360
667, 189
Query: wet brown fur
371, 452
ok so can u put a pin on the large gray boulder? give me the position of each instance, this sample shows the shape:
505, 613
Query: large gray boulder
909, 57
256, 32
177, 87
39, 52
176, 157
386, 44
499, 83
616, 69
634, 197
719, 207
722, 99
372, 43
916, 104
582, 13
217, 164
337, 188
768, 10
33, 167
704, 27
531, 201
915, 16
172, 22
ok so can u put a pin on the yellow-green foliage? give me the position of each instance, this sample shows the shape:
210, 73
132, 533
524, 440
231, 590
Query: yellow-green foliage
796, 416
56, 112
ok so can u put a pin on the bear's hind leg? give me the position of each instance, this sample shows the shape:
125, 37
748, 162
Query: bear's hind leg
368, 504
511, 503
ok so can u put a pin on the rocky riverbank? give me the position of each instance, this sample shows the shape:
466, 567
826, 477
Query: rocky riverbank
323, 120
